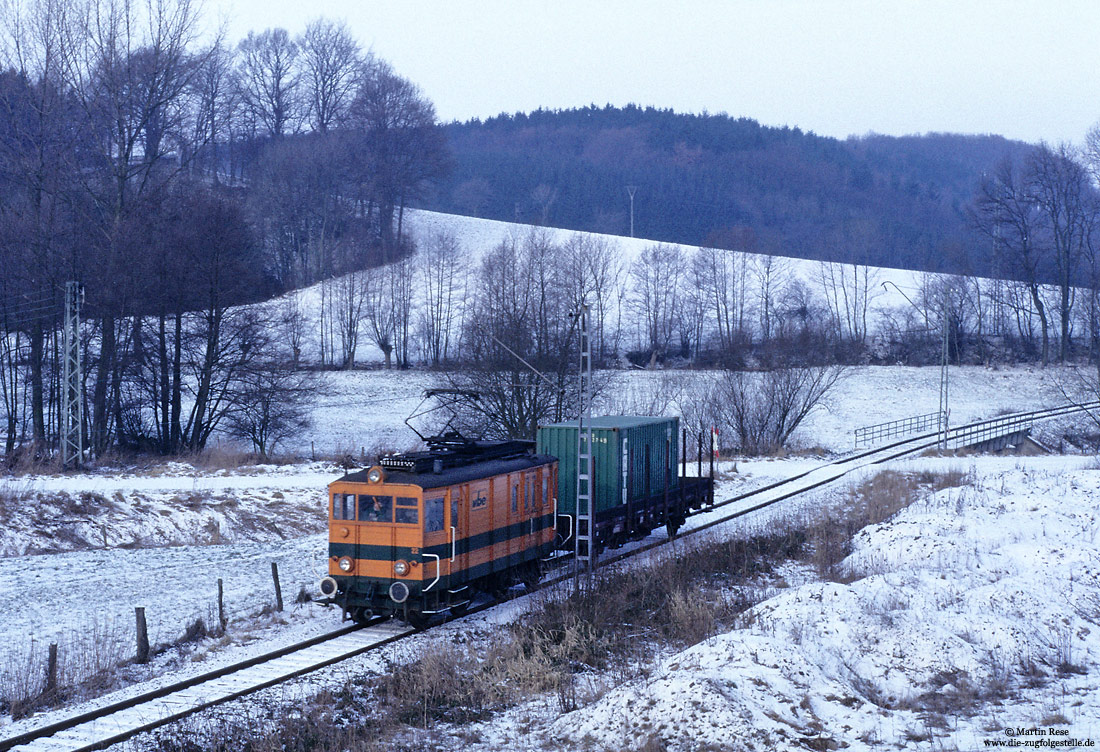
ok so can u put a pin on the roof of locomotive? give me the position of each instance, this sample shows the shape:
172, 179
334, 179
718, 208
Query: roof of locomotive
450, 476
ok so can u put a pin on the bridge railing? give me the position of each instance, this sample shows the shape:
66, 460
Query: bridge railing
994, 428
868, 435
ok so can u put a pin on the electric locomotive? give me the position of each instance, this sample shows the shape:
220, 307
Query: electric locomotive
422, 532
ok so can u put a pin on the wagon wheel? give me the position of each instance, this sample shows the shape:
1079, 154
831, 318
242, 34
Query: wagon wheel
673, 526
532, 575
416, 620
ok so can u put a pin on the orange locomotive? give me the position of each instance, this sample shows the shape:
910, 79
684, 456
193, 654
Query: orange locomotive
422, 532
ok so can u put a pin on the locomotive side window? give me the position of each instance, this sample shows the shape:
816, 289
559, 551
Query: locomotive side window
433, 514
343, 506
515, 497
545, 484
375, 508
407, 512
529, 492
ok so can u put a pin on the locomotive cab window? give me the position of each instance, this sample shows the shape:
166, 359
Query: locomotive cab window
375, 508
343, 506
407, 512
433, 515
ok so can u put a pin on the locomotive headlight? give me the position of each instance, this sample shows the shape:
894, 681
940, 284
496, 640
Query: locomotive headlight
400, 568
375, 475
345, 563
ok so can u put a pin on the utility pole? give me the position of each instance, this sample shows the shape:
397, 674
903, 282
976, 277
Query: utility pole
72, 431
944, 353
944, 359
631, 189
585, 554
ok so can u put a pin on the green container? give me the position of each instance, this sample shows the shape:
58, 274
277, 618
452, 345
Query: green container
649, 446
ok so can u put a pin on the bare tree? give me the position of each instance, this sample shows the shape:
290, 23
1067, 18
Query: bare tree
442, 269
1007, 213
396, 148
771, 274
1066, 199
351, 293
655, 295
129, 67
849, 290
331, 64
721, 276
269, 80
215, 95
594, 271
764, 409
271, 402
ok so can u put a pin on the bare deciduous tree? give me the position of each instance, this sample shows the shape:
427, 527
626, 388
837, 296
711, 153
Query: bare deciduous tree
655, 278
764, 409
1066, 200
331, 63
271, 402
442, 269
1005, 211
269, 80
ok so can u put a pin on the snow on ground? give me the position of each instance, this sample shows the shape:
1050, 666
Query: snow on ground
477, 237
974, 610
1021, 587
365, 410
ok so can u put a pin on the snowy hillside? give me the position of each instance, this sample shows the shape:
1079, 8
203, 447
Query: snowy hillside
974, 610
476, 237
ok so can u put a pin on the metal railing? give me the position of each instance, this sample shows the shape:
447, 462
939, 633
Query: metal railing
994, 428
868, 435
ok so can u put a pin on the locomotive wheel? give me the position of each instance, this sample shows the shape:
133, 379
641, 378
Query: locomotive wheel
361, 615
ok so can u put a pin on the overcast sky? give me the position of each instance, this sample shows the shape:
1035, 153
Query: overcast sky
1028, 69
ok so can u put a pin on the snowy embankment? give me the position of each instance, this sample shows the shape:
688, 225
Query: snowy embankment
973, 610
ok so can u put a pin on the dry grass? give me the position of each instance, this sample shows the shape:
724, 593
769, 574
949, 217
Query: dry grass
872, 502
86, 661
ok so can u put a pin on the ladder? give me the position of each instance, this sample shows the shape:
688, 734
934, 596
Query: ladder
585, 554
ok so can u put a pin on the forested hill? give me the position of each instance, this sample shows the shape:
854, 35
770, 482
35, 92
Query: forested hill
728, 182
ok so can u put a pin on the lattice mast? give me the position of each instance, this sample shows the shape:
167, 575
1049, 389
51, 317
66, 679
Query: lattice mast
72, 433
585, 554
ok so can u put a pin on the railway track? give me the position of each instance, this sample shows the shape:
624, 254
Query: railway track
119, 721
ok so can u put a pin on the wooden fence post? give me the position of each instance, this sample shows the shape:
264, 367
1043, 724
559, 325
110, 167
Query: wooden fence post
51, 672
221, 605
278, 589
142, 636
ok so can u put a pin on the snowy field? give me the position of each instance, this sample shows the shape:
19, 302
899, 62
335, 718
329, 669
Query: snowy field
366, 409
974, 581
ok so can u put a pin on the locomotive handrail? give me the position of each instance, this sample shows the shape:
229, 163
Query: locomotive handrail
436, 557
452, 544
